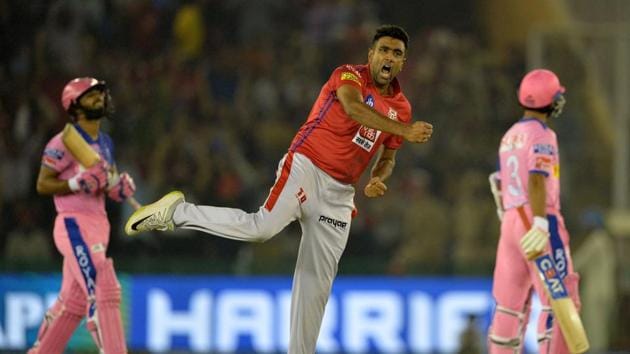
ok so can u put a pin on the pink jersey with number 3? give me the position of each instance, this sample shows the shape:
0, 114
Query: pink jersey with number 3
529, 146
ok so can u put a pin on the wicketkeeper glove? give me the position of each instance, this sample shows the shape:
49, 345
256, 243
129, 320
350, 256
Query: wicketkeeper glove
534, 241
91, 181
122, 190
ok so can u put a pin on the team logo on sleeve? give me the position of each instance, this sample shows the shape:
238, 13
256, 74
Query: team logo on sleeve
345, 76
544, 149
52, 156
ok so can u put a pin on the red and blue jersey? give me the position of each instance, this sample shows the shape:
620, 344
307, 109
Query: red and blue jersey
334, 141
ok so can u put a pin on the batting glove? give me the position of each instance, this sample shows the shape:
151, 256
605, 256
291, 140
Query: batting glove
91, 181
122, 190
534, 241
495, 181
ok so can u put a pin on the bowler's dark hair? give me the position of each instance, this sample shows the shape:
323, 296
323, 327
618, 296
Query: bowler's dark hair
391, 31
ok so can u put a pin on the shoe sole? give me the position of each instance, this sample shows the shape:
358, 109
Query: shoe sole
146, 211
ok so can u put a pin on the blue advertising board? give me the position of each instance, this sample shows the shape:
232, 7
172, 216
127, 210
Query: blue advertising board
227, 314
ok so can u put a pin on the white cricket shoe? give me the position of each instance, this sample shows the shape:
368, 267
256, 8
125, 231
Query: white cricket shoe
155, 216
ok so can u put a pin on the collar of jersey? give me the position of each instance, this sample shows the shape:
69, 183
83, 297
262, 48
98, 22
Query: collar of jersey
529, 119
87, 136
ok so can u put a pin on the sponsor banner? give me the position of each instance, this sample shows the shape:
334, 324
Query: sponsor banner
227, 314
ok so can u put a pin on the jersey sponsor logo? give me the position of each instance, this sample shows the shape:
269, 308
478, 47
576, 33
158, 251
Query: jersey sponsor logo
301, 195
544, 149
346, 76
366, 137
543, 163
369, 100
512, 142
338, 224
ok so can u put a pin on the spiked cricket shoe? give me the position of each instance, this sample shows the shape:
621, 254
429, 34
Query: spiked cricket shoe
155, 216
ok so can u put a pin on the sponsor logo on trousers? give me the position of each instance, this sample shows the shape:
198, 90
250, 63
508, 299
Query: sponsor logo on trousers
334, 222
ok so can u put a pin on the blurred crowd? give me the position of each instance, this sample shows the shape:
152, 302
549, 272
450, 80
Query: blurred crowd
208, 95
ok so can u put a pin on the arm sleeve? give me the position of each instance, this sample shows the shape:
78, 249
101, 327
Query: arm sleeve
542, 154
346, 75
55, 155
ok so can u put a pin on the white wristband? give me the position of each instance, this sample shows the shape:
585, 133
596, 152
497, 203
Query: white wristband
73, 183
541, 223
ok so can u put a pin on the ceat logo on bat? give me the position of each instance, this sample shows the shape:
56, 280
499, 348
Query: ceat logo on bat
552, 280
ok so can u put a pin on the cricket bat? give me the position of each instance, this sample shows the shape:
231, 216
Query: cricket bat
562, 306
83, 152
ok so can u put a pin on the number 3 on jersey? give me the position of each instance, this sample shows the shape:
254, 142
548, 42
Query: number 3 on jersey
515, 187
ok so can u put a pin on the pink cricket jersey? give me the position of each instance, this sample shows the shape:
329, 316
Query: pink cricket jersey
338, 144
59, 159
529, 146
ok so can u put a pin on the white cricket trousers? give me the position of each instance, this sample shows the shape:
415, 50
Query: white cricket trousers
323, 207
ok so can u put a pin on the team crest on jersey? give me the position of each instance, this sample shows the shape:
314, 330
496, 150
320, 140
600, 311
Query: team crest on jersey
392, 114
369, 100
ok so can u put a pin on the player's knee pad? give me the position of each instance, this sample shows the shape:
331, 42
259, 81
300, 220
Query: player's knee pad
60, 322
107, 326
545, 325
550, 339
107, 286
508, 327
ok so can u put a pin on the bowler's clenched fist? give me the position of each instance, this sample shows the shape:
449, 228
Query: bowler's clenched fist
375, 188
418, 132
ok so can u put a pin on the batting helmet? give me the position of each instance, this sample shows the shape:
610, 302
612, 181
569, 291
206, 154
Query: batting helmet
539, 89
76, 88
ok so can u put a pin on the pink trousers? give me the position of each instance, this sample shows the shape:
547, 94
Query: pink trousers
89, 287
515, 279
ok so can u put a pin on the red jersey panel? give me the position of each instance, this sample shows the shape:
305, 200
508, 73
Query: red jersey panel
334, 141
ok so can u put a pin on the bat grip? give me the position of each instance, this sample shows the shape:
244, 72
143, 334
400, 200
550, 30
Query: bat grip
134, 203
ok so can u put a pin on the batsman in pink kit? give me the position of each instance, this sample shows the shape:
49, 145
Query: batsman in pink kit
527, 191
81, 232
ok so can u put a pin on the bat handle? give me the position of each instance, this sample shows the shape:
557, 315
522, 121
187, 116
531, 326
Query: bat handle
134, 203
